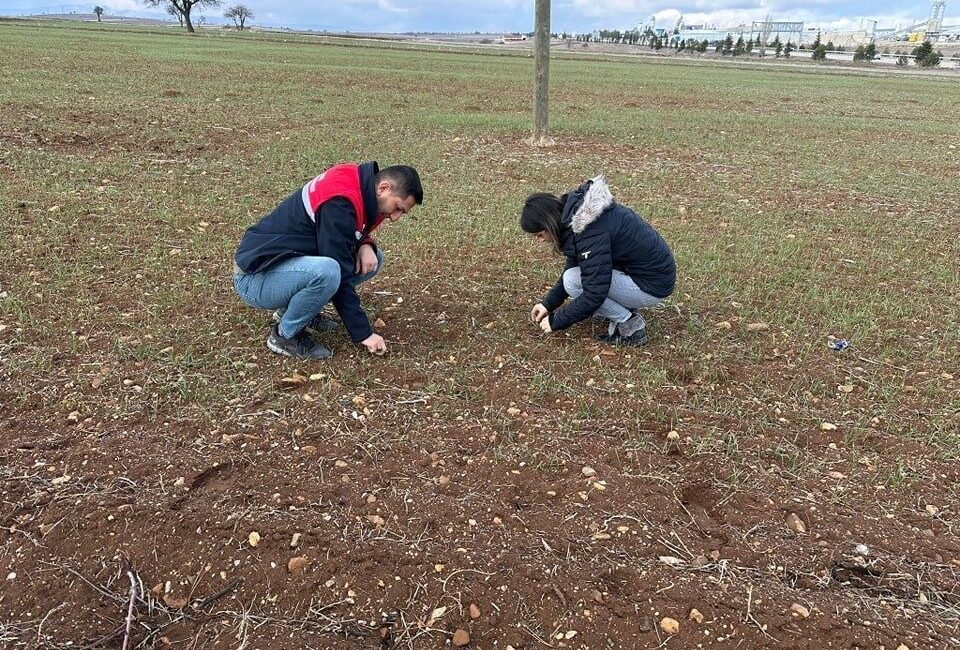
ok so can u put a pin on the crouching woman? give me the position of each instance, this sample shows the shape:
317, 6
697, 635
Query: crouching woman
616, 263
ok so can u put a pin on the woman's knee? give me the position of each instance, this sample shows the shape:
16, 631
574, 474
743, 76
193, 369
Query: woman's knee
571, 281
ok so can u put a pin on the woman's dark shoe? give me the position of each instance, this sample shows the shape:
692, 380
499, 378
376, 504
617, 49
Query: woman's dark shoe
632, 332
636, 339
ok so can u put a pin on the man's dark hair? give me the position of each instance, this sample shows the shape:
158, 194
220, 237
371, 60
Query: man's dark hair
543, 211
405, 179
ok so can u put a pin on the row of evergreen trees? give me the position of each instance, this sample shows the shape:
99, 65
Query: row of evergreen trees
649, 37
923, 54
738, 47
865, 53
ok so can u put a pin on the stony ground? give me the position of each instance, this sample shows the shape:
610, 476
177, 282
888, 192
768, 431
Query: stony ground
167, 482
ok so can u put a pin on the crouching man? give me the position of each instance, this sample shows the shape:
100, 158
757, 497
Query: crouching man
316, 247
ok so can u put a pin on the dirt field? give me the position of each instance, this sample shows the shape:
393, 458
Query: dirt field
735, 484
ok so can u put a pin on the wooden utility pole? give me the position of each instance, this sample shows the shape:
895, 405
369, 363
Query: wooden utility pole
541, 86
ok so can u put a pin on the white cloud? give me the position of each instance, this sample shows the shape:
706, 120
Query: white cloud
388, 6
668, 16
122, 6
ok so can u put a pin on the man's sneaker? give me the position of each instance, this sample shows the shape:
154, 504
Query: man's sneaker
318, 325
300, 346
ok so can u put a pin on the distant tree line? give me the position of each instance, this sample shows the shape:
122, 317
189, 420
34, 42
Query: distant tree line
631, 37
182, 10
240, 14
657, 41
924, 54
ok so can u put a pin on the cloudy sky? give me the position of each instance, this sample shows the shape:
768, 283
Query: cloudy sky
517, 15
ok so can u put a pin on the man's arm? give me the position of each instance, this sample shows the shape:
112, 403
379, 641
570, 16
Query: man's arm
336, 238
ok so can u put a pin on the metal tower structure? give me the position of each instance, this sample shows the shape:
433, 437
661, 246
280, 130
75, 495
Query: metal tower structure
764, 28
935, 21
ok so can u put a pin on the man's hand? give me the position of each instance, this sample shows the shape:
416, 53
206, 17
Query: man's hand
366, 260
538, 313
545, 325
375, 344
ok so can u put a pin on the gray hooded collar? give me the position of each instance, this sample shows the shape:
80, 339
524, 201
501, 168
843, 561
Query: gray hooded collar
596, 199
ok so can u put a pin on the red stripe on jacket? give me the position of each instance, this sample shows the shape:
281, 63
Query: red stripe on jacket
339, 181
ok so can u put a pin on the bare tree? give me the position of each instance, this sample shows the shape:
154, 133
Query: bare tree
184, 7
99, 11
541, 50
239, 14
173, 11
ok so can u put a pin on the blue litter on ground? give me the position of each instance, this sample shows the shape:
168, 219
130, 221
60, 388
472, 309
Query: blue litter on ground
838, 344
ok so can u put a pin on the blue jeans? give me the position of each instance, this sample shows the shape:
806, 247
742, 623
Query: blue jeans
301, 286
624, 295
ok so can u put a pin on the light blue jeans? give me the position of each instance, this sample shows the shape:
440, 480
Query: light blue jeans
624, 295
301, 286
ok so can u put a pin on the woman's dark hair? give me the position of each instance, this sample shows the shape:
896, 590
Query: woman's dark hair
543, 211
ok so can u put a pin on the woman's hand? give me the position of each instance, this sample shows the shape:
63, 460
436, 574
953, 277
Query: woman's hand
538, 313
545, 325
